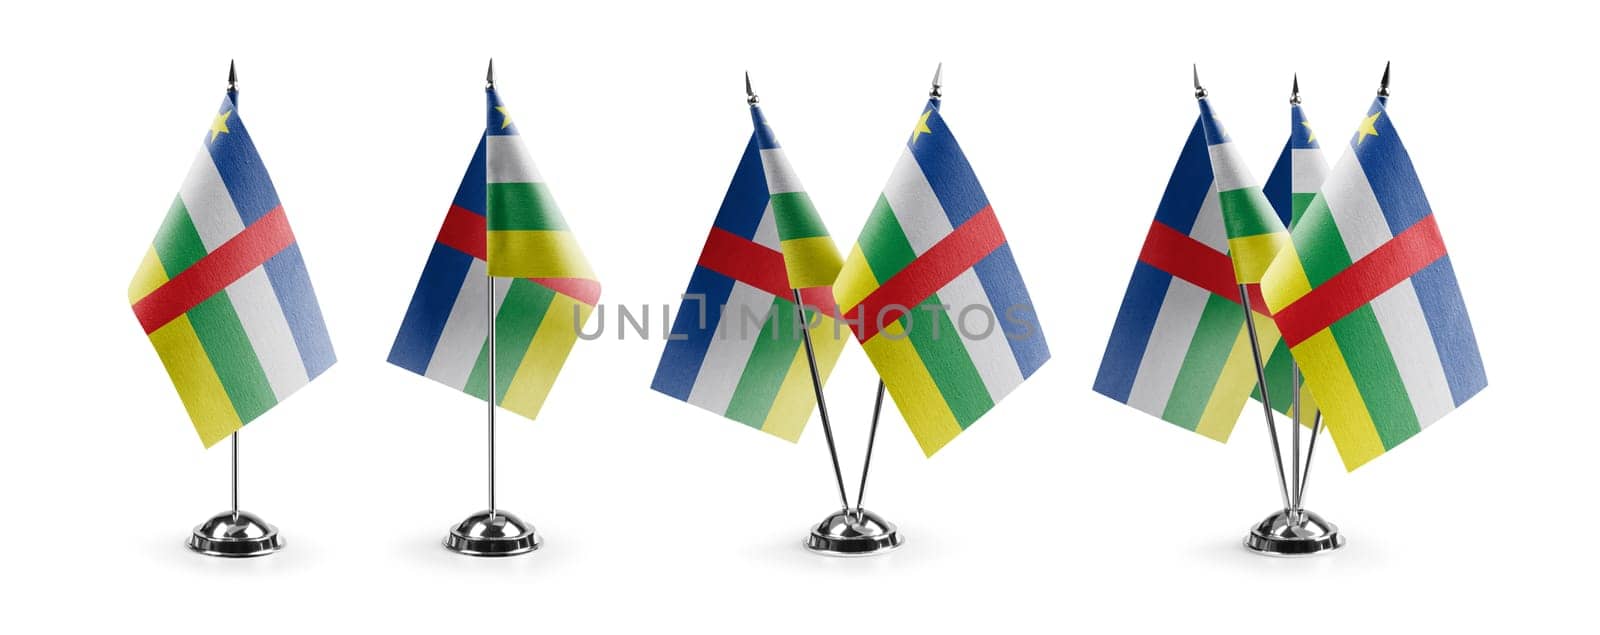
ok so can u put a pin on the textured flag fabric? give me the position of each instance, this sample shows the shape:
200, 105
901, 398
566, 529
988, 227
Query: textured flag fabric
1295, 180
932, 291
528, 238
1368, 302
223, 291
736, 348
444, 335
1179, 349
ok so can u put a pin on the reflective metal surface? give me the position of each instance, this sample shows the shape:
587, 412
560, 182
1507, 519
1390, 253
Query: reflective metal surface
492, 534
1293, 533
850, 532
233, 534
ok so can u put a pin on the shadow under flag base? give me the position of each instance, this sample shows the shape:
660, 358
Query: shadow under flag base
853, 533
232, 534
493, 534
1293, 533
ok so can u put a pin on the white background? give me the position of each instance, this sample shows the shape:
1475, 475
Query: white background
1060, 510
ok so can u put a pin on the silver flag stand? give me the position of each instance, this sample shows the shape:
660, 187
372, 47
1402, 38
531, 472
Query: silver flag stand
492, 532
235, 533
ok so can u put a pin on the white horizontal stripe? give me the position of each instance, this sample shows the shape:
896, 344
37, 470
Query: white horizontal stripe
508, 161
729, 351
1208, 228
767, 229
1169, 344
465, 330
1405, 328
1228, 169
991, 354
268, 331
915, 205
780, 175
1308, 169
1355, 208
210, 207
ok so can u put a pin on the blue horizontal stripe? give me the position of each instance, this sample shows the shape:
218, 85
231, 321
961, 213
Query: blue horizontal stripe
691, 336
292, 284
1446, 313
437, 290
947, 170
1190, 182
1300, 132
1130, 335
1280, 184
764, 135
746, 200
495, 122
243, 173
471, 194
1208, 121
1013, 308
1388, 168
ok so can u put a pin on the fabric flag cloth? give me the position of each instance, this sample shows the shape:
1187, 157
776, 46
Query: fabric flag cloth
1179, 349
1368, 302
1294, 182
932, 291
736, 348
502, 209
223, 291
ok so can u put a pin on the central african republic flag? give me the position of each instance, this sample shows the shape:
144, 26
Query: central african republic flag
1294, 182
933, 294
1368, 302
502, 209
223, 292
736, 348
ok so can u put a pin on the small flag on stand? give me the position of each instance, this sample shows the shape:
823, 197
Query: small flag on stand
736, 345
932, 291
503, 222
1368, 302
223, 291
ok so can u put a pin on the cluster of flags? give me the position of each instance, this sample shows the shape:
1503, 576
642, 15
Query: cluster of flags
1343, 271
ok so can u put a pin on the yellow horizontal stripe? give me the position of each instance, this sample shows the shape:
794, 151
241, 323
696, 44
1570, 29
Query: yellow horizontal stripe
1344, 412
547, 352
1252, 254
1232, 389
796, 399
196, 380
1285, 280
908, 381
855, 280
811, 262
536, 254
149, 276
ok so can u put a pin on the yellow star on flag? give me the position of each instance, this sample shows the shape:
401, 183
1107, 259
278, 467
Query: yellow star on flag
922, 127
1311, 135
1368, 127
507, 122
219, 125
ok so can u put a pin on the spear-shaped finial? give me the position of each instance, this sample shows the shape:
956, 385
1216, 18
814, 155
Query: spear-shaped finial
1199, 91
488, 80
938, 82
750, 93
1294, 94
233, 78
1383, 84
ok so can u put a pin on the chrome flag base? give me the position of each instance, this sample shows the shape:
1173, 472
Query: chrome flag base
1293, 533
849, 533
493, 534
233, 534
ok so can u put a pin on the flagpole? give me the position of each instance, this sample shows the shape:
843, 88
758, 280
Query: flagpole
492, 532
872, 439
234, 533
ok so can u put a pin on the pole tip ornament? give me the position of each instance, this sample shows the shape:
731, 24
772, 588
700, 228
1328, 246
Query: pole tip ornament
233, 78
1199, 91
1294, 93
749, 92
488, 80
938, 82
1383, 84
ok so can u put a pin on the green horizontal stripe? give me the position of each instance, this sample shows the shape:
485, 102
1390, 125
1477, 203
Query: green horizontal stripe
1202, 366
223, 338
177, 243
1297, 205
1280, 375
939, 344
767, 365
1317, 241
1246, 212
796, 216
883, 243
518, 319
523, 206
1371, 363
